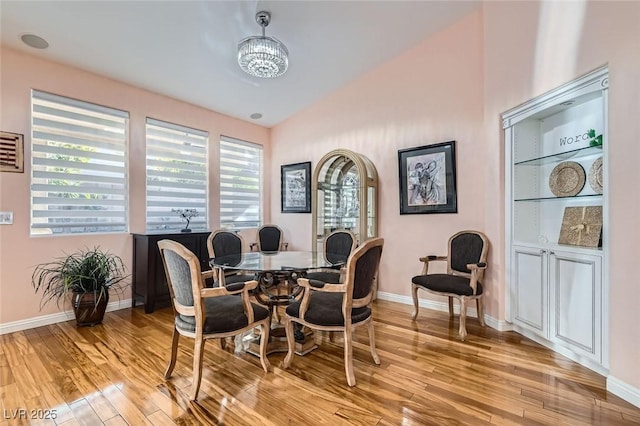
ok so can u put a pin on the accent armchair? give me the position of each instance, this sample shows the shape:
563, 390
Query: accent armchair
339, 307
207, 313
466, 263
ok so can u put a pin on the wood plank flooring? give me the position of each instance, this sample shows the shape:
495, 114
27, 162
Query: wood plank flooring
111, 374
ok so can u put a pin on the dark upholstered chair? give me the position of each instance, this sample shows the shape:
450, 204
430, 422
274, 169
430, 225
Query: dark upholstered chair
226, 243
269, 239
336, 247
340, 307
207, 313
466, 263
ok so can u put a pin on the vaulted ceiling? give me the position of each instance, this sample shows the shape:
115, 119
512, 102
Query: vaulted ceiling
188, 49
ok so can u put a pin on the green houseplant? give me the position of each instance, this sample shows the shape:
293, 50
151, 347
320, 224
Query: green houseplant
87, 275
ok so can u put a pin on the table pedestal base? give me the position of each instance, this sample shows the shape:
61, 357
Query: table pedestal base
278, 343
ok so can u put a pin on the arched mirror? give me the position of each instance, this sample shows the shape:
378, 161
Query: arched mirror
344, 196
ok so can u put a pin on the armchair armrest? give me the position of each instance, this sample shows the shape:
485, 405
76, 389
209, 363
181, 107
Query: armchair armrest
235, 288
476, 273
431, 258
316, 285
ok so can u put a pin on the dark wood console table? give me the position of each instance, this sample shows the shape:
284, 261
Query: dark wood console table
149, 281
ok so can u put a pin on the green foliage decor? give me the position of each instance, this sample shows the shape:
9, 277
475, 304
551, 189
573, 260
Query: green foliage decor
85, 271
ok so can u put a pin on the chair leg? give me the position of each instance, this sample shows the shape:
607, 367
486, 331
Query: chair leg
348, 358
463, 318
372, 343
198, 352
414, 293
479, 304
291, 343
174, 353
264, 339
451, 307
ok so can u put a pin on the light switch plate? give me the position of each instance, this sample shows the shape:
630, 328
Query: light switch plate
6, 218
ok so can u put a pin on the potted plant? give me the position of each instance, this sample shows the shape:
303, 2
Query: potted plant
87, 275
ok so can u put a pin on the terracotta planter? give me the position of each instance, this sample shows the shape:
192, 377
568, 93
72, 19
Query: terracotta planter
87, 311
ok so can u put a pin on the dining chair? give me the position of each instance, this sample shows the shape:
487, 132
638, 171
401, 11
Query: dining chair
336, 248
226, 243
466, 263
269, 238
339, 307
207, 313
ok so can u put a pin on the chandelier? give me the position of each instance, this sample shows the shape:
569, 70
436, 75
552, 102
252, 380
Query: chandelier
262, 56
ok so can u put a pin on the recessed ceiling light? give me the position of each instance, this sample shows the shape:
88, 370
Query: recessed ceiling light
34, 41
567, 103
256, 115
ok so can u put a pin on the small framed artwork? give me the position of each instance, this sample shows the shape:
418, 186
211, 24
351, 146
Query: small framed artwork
11, 152
428, 179
295, 187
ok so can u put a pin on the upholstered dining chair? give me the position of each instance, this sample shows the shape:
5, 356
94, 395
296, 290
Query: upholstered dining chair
207, 313
269, 239
337, 247
466, 263
339, 307
226, 243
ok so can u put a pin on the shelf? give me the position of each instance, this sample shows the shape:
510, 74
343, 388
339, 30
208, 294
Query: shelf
575, 197
561, 156
558, 247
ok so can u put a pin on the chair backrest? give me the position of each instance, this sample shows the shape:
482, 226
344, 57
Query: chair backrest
269, 238
362, 272
224, 243
182, 269
466, 247
338, 245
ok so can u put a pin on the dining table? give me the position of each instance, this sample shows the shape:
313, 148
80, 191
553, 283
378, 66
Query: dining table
277, 274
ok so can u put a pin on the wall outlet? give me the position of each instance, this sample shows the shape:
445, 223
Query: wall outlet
6, 218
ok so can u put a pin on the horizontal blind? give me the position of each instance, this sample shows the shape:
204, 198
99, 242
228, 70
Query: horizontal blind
79, 166
176, 176
240, 184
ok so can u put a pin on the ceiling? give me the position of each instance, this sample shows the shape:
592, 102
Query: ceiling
187, 49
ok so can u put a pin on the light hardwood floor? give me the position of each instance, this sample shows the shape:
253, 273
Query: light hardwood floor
112, 374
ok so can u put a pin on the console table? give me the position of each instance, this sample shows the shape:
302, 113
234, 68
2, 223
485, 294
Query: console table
149, 281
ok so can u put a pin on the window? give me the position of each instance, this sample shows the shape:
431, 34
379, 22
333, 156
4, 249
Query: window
78, 173
240, 184
176, 176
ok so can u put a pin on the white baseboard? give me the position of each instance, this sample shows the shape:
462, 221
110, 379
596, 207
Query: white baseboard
623, 390
444, 307
54, 318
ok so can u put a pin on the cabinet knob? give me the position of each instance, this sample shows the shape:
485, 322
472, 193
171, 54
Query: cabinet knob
542, 251
552, 252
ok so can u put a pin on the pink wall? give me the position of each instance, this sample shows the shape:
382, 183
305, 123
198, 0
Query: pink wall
429, 94
18, 251
455, 85
530, 48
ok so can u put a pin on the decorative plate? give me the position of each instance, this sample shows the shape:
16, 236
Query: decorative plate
567, 179
595, 176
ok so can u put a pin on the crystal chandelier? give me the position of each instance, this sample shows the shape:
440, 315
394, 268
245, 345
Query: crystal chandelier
262, 56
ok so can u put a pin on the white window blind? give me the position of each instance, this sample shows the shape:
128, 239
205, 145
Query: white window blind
78, 170
240, 184
176, 176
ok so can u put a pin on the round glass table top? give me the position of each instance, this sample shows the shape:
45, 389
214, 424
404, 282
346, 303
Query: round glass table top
274, 261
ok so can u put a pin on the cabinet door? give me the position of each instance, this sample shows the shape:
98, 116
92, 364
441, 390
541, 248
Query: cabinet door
529, 283
576, 297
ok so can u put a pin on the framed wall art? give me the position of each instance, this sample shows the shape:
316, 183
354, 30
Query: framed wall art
428, 179
11, 152
295, 188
